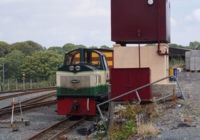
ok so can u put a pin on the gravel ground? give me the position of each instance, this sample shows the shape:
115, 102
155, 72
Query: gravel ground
39, 118
182, 121
8, 102
176, 122
74, 135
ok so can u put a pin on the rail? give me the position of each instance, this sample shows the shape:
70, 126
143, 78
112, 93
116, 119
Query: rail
26, 90
27, 107
138, 94
57, 130
3, 97
30, 103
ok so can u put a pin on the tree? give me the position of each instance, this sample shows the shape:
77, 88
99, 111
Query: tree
27, 47
93, 47
81, 46
12, 62
195, 45
69, 47
177, 46
42, 65
4, 48
104, 47
56, 49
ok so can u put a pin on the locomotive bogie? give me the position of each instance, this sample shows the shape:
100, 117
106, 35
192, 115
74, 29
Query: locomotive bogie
76, 106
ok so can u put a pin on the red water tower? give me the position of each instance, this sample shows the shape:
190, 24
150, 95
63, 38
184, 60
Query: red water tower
140, 21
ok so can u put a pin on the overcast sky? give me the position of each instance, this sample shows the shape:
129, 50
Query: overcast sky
56, 22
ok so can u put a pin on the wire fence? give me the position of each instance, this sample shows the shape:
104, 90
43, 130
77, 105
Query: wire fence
11, 85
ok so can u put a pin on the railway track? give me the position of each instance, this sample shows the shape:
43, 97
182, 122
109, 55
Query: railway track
37, 89
57, 130
13, 94
30, 103
27, 107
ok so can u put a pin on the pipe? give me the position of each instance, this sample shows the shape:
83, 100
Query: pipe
139, 56
158, 33
160, 52
136, 91
139, 51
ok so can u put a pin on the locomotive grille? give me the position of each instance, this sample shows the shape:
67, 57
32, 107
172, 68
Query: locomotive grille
82, 81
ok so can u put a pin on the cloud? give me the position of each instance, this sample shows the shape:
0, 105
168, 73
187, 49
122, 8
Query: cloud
10, 1
6, 20
56, 23
173, 22
195, 16
89, 8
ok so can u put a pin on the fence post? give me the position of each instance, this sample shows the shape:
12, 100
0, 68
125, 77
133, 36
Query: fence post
23, 78
8, 85
37, 84
31, 86
24, 84
16, 84
2, 87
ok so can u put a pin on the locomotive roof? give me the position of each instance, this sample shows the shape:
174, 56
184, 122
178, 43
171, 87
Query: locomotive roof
89, 49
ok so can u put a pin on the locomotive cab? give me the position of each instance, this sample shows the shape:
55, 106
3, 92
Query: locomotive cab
86, 58
81, 82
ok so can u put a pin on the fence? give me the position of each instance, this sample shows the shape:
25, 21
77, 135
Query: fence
10, 85
136, 91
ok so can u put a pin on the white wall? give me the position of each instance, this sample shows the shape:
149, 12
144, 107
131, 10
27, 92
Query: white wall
128, 57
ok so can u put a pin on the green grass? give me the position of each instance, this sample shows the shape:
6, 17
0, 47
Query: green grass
129, 127
127, 130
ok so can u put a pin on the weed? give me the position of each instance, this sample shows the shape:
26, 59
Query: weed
127, 125
148, 129
123, 133
152, 110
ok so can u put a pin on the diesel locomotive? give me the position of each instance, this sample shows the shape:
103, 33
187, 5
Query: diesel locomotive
82, 81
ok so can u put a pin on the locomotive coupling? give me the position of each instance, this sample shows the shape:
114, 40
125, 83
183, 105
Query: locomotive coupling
75, 106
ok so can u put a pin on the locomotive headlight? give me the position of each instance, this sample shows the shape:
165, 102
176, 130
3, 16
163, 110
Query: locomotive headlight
78, 68
71, 68
150, 2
